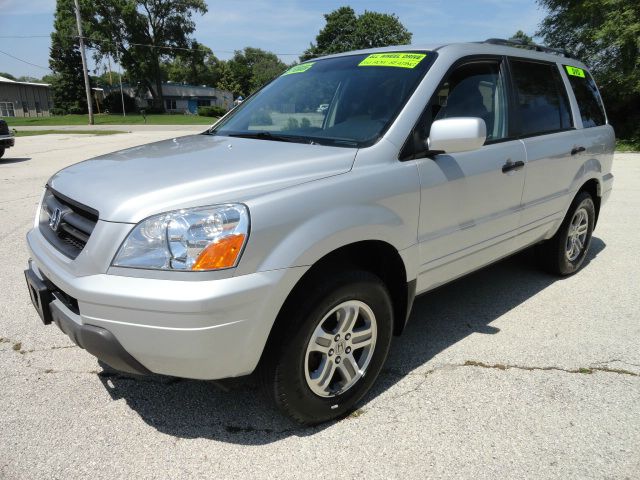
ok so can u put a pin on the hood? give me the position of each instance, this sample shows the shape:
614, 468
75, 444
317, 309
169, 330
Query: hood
196, 170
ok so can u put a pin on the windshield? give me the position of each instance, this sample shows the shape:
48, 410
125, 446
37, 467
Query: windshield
346, 101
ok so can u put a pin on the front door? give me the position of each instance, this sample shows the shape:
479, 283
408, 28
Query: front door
469, 206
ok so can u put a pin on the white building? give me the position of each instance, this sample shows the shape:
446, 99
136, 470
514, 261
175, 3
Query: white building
24, 99
182, 98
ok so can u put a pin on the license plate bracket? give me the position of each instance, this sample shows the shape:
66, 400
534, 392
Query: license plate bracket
40, 296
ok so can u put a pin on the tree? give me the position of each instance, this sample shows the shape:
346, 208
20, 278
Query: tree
7, 75
227, 80
604, 35
113, 102
28, 78
67, 82
251, 68
523, 37
143, 33
197, 66
345, 31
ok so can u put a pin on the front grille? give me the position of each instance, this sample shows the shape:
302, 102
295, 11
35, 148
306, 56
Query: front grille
66, 223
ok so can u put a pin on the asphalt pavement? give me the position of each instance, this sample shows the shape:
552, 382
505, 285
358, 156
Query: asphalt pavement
506, 373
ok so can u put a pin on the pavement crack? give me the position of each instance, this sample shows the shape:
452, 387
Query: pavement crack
581, 370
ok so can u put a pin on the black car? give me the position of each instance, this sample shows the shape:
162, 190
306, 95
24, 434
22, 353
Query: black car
6, 137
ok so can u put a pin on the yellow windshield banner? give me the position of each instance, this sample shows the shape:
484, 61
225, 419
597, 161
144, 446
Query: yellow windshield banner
299, 68
575, 71
401, 60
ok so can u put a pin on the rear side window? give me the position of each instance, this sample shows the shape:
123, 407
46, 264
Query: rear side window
588, 97
542, 105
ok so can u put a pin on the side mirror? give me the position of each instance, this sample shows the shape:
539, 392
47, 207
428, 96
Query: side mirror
460, 134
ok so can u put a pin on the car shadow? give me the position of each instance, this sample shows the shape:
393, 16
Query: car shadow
8, 160
235, 411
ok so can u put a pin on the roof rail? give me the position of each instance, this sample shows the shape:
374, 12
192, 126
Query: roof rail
514, 42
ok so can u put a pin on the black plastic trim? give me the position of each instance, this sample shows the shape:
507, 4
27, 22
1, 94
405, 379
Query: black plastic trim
411, 296
89, 213
99, 342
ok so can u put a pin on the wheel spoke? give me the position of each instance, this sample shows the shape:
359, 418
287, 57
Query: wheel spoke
323, 375
322, 340
582, 229
348, 317
361, 338
349, 369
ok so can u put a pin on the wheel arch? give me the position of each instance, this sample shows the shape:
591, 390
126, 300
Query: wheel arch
375, 256
593, 188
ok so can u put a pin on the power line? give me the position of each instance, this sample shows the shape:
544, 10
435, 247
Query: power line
103, 41
24, 61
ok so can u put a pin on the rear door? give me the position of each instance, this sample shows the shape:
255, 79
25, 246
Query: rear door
599, 138
546, 126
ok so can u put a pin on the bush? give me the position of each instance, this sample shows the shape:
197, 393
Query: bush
292, 124
213, 111
261, 117
113, 103
305, 123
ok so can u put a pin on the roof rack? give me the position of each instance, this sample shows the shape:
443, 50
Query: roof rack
514, 42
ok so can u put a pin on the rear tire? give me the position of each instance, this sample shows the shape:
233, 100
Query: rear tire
565, 252
330, 349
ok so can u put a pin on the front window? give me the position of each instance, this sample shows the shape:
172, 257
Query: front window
7, 110
346, 101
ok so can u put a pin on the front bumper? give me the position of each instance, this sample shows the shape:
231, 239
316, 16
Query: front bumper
208, 329
7, 141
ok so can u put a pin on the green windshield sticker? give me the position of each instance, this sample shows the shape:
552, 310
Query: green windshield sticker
575, 71
402, 60
299, 68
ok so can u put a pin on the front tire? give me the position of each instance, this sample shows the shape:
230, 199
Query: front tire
565, 252
1, 152
331, 348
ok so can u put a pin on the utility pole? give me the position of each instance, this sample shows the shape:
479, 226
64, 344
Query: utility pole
124, 114
87, 87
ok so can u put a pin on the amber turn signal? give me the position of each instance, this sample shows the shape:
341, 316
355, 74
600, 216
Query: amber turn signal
220, 254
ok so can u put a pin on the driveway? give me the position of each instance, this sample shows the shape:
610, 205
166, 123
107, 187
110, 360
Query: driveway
507, 373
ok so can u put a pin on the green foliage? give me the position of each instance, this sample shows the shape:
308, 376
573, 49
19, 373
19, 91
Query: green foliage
107, 119
227, 79
628, 145
7, 75
67, 81
198, 66
292, 124
127, 28
249, 69
213, 111
113, 102
604, 34
345, 31
523, 37
261, 117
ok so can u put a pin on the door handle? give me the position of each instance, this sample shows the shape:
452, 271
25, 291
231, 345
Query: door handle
576, 150
507, 167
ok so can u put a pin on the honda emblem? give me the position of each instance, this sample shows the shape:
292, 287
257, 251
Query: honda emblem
54, 219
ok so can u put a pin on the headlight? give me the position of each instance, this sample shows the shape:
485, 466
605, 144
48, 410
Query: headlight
204, 238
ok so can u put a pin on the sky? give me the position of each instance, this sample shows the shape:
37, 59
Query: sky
285, 27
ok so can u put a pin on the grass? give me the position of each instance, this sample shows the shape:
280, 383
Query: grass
103, 119
31, 133
627, 146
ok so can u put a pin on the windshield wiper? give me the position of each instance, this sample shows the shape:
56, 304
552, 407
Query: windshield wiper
263, 135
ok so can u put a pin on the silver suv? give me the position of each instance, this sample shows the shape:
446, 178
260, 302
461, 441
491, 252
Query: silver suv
293, 241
